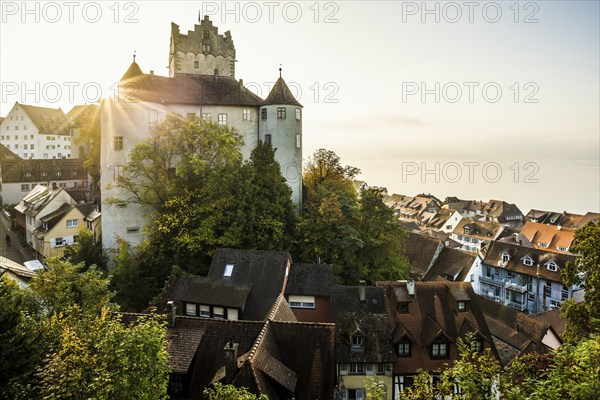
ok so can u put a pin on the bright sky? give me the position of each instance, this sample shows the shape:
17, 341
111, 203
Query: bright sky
517, 83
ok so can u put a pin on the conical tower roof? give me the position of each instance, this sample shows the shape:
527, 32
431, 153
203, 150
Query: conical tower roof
133, 71
281, 94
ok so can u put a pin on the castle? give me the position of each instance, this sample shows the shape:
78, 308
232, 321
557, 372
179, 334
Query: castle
201, 82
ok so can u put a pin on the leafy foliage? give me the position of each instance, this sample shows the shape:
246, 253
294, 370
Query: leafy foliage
88, 121
60, 341
583, 319
182, 153
88, 250
101, 358
357, 233
229, 392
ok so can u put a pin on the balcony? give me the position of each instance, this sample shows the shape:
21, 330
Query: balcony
491, 280
516, 305
516, 287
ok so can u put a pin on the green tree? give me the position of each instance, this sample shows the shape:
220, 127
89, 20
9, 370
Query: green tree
132, 291
88, 121
229, 392
583, 319
64, 285
181, 154
88, 250
357, 233
269, 212
477, 374
102, 358
375, 389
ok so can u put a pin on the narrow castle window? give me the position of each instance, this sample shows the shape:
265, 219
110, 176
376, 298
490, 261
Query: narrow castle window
263, 113
298, 112
280, 112
205, 34
246, 115
205, 47
196, 64
268, 139
118, 143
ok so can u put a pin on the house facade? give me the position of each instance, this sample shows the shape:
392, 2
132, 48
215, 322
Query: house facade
474, 235
18, 177
523, 278
363, 345
201, 83
34, 132
40, 202
60, 229
425, 320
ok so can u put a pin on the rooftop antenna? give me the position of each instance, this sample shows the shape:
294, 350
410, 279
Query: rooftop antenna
280, 70
134, 56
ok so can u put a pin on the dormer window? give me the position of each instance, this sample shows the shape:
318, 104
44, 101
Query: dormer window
527, 261
551, 266
462, 306
544, 245
439, 350
561, 248
404, 349
403, 308
468, 230
505, 257
357, 343
477, 345
228, 271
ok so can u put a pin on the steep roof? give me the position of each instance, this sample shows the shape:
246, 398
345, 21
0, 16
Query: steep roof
281, 94
280, 358
187, 89
553, 236
202, 291
517, 331
432, 315
451, 262
310, 280
516, 254
250, 280
133, 71
49, 121
368, 318
421, 251
479, 229
7, 155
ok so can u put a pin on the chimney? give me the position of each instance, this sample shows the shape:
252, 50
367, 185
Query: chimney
410, 286
171, 314
362, 291
230, 361
558, 227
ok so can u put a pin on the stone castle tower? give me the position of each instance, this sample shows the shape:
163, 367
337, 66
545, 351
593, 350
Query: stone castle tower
202, 83
202, 51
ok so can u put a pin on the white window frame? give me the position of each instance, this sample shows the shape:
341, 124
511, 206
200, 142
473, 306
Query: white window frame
72, 223
204, 311
190, 309
296, 301
222, 119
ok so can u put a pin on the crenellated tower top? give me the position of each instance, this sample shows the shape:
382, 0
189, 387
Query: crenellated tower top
202, 51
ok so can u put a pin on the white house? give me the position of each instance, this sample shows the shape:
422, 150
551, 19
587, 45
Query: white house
36, 132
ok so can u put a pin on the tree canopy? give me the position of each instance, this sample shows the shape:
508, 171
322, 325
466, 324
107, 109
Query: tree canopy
62, 339
583, 319
354, 231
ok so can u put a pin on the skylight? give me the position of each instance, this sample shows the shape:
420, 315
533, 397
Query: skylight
228, 270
